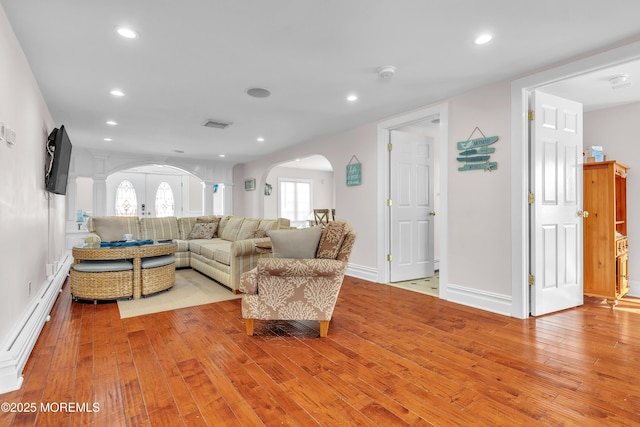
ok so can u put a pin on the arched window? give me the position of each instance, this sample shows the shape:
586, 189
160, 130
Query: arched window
165, 205
126, 200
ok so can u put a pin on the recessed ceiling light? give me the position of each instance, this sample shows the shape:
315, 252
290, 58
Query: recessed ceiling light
116, 92
108, 139
111, 122
221, 155
258, 92
483, 38
127, 33
260, 139
352, 98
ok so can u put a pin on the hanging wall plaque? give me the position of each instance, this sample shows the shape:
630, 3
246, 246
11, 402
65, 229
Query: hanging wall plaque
354, 171
475, 154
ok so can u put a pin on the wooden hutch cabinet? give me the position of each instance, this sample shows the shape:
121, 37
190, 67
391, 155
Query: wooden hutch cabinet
605, 230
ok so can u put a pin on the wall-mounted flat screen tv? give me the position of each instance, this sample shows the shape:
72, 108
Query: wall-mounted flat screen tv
59, 153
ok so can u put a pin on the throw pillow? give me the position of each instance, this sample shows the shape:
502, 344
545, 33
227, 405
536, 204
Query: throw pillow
258, 234
332, 237
109, 229
201, 230
295, 243
213, 221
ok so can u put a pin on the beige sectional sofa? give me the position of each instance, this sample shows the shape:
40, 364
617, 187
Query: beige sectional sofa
223, 258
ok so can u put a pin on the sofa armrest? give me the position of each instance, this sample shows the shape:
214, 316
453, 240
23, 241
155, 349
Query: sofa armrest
92, 238
247, 247
292, 267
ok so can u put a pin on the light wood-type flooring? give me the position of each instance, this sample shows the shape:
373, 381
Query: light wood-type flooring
392, 357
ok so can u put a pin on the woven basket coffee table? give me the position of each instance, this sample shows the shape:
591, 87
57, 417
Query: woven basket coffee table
133, 253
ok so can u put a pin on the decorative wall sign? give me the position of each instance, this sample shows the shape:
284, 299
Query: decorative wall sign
250, 184
267, 189
354, 171
475, 153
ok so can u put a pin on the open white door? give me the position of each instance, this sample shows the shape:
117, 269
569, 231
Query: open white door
555, 224
411, 210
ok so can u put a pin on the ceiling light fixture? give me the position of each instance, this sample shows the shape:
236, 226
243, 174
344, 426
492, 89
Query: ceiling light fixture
260, 139
483, 39
116, 92
111, 122
386, 72
127, 33
108, 139
258, 92
221, 155
352, 98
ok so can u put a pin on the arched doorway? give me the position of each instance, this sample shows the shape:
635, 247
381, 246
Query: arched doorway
297, 187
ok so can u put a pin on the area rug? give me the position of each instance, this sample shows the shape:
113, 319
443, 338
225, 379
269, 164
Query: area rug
191, 289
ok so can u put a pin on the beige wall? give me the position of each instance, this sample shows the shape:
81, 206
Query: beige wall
32, 221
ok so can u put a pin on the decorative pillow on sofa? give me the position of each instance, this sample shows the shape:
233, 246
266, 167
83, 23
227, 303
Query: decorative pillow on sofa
258, 234
295, 243
213, 221
108, 228
202, 230
332, 237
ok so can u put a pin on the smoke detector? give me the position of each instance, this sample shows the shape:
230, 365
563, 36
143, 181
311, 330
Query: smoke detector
619, 81
216, 124
386, 72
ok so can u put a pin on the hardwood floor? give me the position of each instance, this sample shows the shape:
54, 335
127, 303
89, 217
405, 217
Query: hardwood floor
392, 357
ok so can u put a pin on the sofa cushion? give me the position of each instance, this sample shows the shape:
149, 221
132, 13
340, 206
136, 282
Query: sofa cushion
109, 228
296, 243
331, 240
159, 228
185, 224
249, 225
202, 230
206, 247
269, 224
231, 229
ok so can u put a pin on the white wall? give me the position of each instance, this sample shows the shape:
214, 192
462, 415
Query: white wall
32, 221
618, 131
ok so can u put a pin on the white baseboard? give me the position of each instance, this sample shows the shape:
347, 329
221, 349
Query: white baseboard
362, 272
15, 351
489, 301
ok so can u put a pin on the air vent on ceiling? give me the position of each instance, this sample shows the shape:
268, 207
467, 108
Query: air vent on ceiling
216, 124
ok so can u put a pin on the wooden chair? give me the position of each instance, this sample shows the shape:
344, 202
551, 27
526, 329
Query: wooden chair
321, 216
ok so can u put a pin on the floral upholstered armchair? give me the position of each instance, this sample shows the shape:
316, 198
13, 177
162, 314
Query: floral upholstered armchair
303, 278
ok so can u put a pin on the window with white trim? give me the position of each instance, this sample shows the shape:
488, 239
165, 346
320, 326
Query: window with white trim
126, 199
165, 204
294, 201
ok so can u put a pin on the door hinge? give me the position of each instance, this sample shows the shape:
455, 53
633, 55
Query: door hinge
389, 257
532, 280
389, 202
531, 115
389, 146
531, 198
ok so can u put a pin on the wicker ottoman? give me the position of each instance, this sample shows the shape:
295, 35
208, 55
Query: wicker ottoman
101, 280
158, 274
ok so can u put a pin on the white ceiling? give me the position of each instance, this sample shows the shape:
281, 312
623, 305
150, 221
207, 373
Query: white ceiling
195, 60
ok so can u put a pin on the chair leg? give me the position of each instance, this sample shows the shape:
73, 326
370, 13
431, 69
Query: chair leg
249, 326
324, 328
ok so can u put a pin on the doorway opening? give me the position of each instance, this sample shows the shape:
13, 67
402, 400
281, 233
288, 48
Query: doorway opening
429, 124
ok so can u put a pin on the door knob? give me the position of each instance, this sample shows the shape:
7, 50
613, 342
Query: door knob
432, 213
583, 214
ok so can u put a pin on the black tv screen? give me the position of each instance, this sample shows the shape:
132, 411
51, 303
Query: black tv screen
59, 151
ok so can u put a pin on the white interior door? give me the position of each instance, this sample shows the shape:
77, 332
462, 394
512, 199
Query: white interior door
411, 210
556, 228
